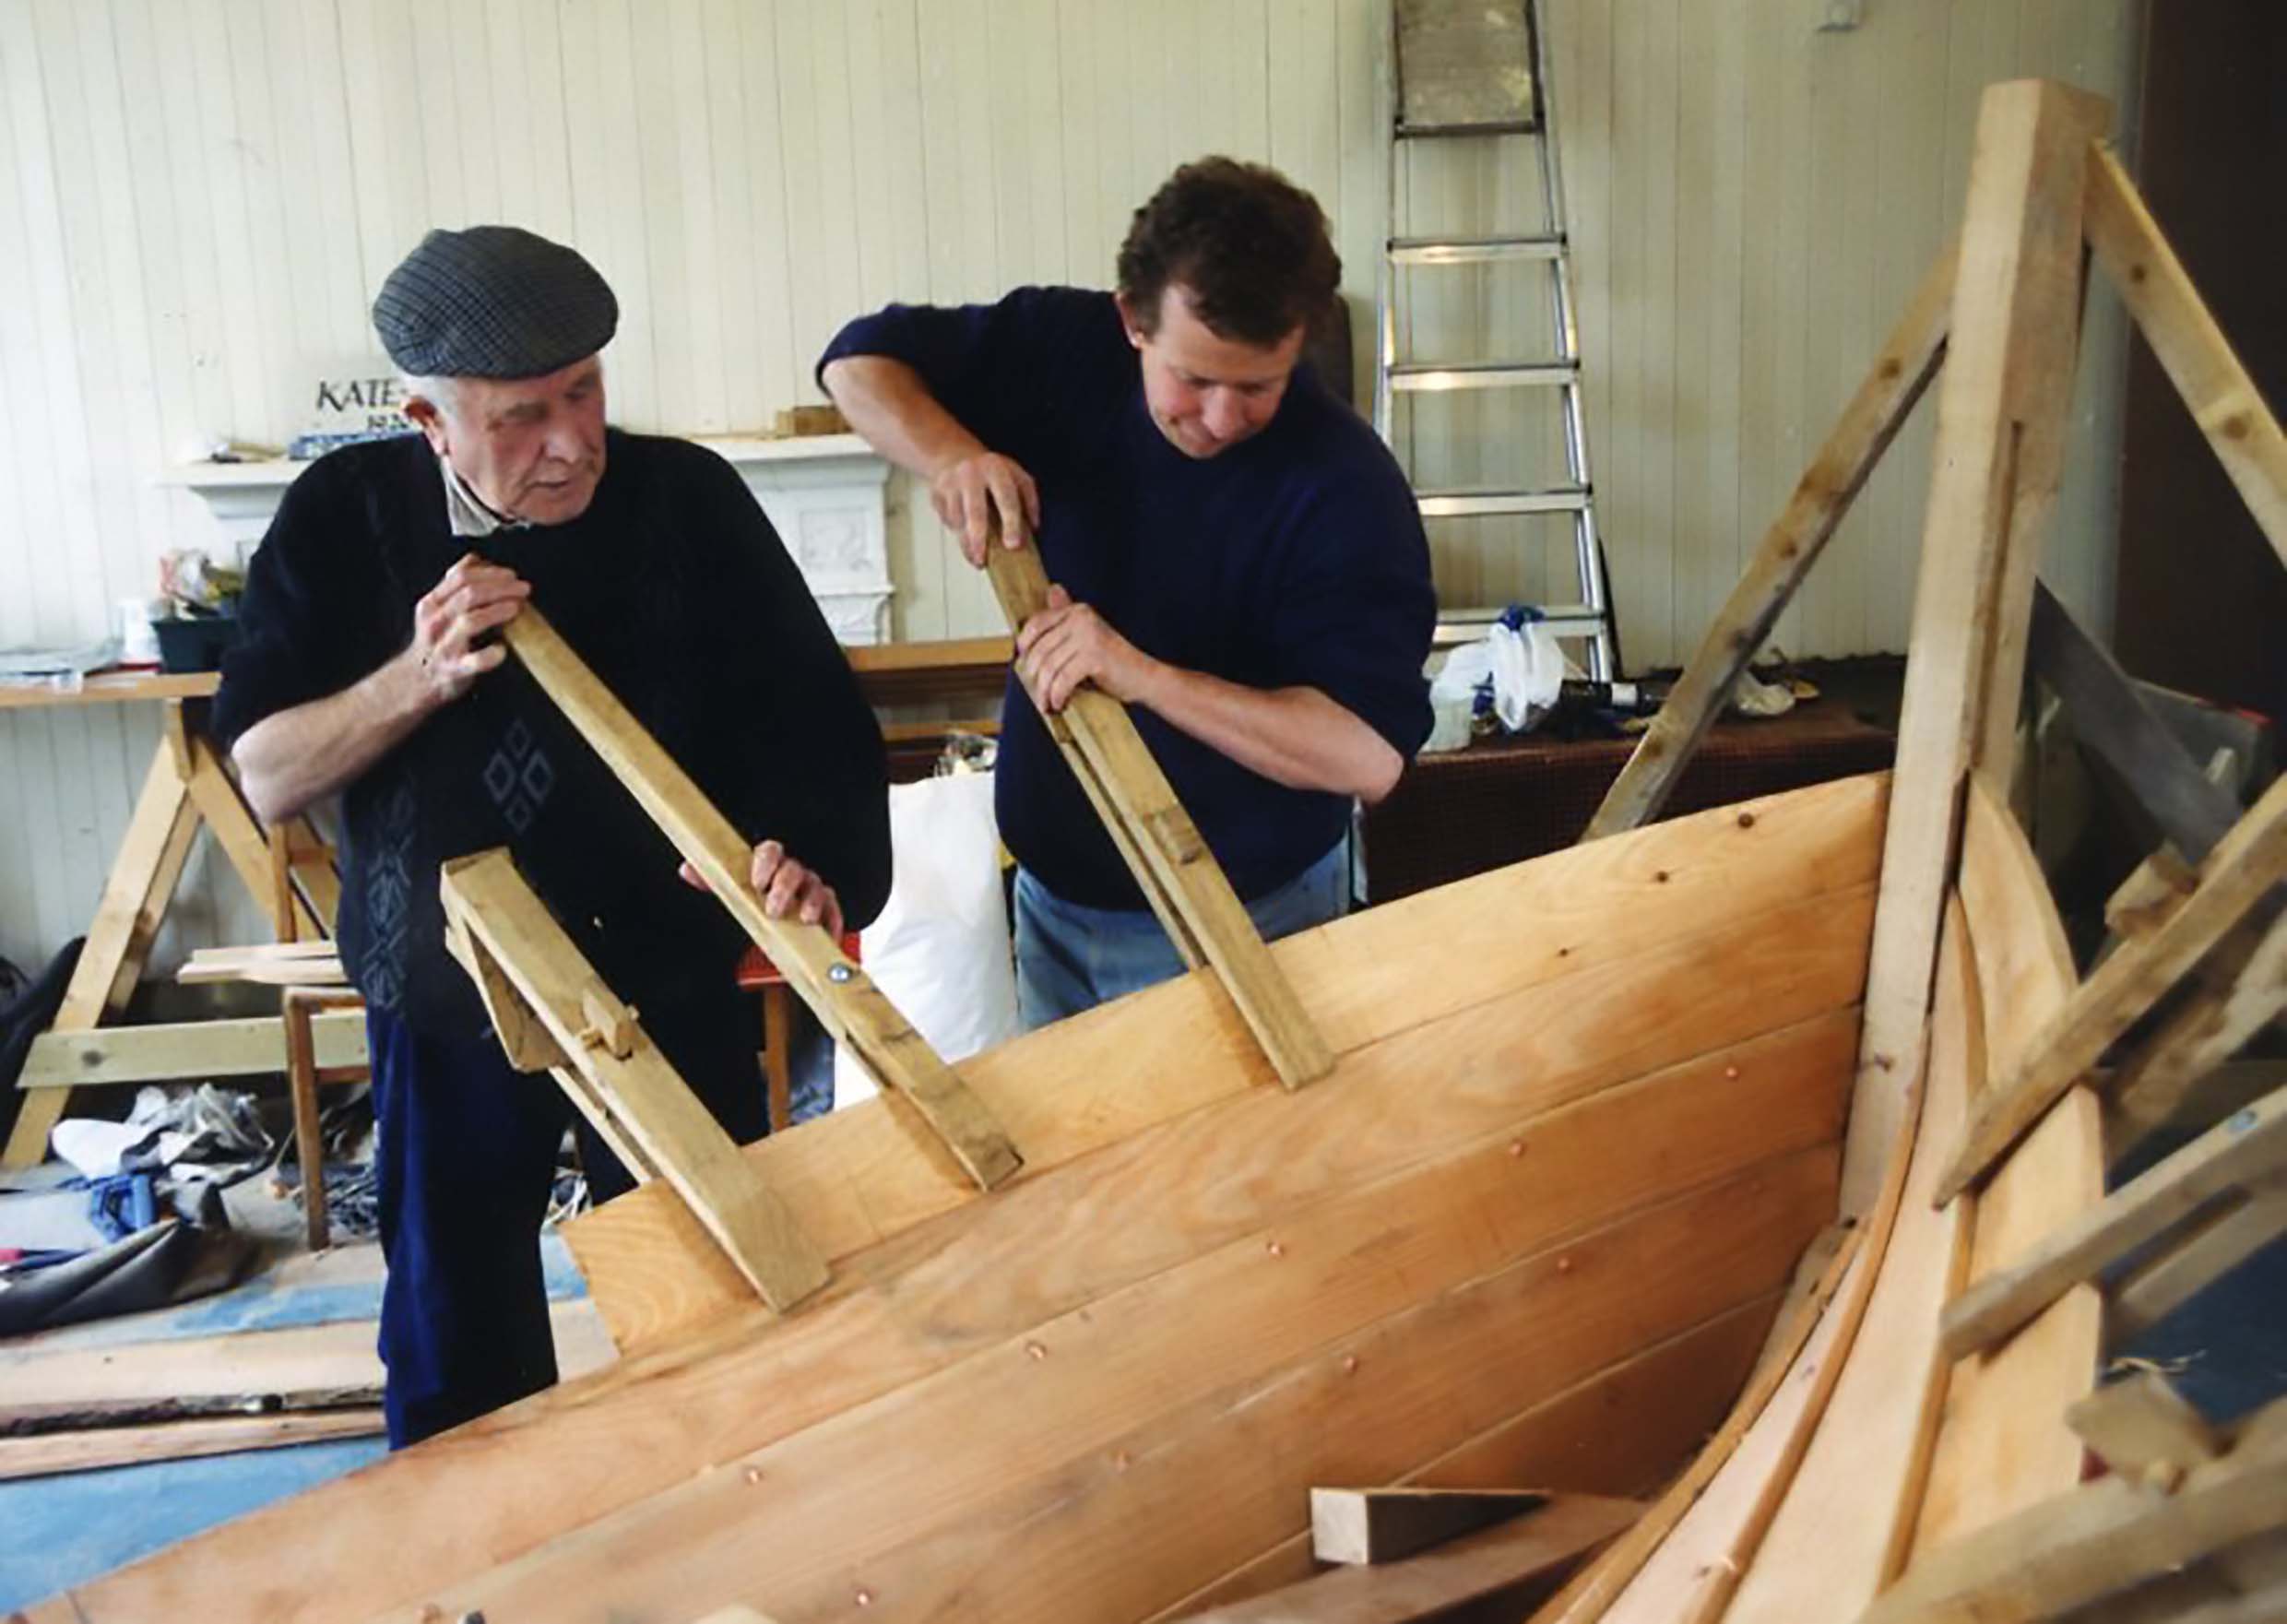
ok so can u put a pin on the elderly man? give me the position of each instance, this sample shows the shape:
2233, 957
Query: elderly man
1238, 557
369, 667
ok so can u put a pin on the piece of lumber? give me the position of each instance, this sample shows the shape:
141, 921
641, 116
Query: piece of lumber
2245, 1148
142, 880
2237, 879
1469, 1568
42, 1456
2000, 1438
2076, 1548
2000, 412
236, 832
1389, 1525
2109, 715
2223, 401
68, 1387
1149, 823
298, 1006
853, 1181
1811, 1544
252, 1046
1050, 1461
2207, 1100
1679, 1389
2237, 990
1211, 1182
490, 905
2160, 1285
2154, 889
1823, 498
847, 1003
320, 969
2142, 1429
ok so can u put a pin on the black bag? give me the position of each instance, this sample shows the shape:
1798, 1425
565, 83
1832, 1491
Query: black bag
23, 1017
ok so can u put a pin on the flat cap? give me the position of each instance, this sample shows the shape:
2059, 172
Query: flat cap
492, 302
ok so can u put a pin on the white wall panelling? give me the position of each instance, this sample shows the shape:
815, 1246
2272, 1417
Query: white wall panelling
198, 198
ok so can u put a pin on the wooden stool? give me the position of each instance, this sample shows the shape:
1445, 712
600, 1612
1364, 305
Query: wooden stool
756, 973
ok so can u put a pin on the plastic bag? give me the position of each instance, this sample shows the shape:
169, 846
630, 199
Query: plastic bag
940, 950
1525, 665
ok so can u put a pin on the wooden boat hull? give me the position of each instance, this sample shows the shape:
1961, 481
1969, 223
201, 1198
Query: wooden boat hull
1534, 1228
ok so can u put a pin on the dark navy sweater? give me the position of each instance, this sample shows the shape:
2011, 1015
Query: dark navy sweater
1295, 558
675, 589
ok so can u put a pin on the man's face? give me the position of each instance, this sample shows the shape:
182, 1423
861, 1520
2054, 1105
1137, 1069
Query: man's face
1207, 393
531, 448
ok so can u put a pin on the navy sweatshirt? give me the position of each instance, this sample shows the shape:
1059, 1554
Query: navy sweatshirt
675, 589
1295, 558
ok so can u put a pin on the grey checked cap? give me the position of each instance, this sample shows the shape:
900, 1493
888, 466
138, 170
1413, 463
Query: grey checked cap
492, 302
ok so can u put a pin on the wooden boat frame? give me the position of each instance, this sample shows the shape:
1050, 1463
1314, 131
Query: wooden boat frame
1008, 1405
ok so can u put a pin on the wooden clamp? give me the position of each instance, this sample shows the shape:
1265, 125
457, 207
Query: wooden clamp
1162, 847
846, 1002
550, 1011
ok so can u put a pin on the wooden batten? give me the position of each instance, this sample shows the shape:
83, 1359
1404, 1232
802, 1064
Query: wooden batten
846, 1001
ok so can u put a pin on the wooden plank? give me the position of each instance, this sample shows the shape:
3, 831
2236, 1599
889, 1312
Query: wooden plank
64, 1388
2143, 1429
250, 1047
2222, 399
2237, 879
2236, 991
45, 1455
2110, 716
847, 1003
2231, 1086
1678, 1389
236, 831
2075, 1547
113, 688
853, 1182
2012, 332
1157, 828
1823, 1527
1823, 498
2001, 1442
490, 905
1476, 1567
1021, 584
1213, 1180
2248, 1145
1389, 1525
142, 880
1087, 1458
2158, 1288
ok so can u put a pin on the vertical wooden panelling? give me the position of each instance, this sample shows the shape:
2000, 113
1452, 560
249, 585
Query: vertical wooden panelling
198, 200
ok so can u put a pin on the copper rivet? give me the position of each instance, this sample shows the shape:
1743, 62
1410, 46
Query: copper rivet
1119, 1461
1516, 1147
1275, 1249
1349, 1364
1747, 820
1732, 1073
1564, 1265
1036, 1351
865, 1598
753, 1475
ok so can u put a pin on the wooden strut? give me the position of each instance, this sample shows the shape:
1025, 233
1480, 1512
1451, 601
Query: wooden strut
550, 1010
1823, 499
847, 1002
1177, 874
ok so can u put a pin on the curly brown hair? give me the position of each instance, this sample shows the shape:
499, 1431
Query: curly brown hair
1249, 245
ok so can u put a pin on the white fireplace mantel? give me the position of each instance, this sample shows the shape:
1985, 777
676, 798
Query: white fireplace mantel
825, 495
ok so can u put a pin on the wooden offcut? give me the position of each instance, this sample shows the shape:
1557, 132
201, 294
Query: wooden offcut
847, 1002
1177, 874
1389, 1525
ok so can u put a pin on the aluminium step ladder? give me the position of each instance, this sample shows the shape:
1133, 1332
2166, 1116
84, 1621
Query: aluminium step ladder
1475, 72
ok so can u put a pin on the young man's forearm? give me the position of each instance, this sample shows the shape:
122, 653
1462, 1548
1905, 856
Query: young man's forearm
290, 760
1292, 736
892, 410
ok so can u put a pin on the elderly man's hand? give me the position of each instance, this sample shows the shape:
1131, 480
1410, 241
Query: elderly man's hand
787, 889
969, 494
473, 598
1068, 643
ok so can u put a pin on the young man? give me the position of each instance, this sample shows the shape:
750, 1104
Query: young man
1238, 557
368, 668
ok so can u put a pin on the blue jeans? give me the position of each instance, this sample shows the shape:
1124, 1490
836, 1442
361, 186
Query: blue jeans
1070, 957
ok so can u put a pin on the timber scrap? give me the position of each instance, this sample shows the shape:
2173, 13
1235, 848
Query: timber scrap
1539, 1225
